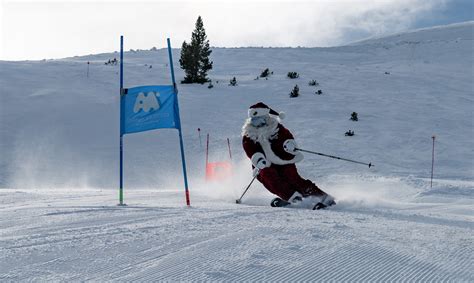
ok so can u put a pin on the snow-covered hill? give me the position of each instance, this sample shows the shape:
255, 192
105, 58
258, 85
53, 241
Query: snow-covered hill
59, 167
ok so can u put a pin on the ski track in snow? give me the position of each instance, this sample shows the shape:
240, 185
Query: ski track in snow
227, 242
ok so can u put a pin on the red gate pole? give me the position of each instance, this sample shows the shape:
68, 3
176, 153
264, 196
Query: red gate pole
207, 150
207, 156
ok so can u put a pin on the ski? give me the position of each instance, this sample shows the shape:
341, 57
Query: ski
278, 202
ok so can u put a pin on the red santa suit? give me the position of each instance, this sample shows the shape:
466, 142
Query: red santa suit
271, 148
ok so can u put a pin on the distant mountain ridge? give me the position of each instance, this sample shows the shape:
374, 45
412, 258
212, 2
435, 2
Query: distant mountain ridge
463, 31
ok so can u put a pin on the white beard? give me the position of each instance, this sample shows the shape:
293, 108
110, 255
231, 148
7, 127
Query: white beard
264, 133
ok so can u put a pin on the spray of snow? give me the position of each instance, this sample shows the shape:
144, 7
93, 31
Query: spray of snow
231, 189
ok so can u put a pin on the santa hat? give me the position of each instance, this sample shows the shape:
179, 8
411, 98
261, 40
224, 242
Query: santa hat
261, 109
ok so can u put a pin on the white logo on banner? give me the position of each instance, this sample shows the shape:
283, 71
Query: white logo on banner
146, 102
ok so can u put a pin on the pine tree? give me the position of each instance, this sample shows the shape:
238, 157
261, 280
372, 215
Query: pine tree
265, 73
295, 92
195, 56
293, 75
354, 116
349, 133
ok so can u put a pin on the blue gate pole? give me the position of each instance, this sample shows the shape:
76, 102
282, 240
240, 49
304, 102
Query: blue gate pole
121, 122
188, 202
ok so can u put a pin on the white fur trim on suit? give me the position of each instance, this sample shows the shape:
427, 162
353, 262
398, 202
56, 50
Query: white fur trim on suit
273, 158
295, 195
256, 112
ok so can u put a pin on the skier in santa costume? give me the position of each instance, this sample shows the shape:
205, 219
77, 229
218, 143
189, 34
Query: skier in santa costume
272, 151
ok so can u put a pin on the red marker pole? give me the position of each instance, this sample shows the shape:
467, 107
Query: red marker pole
432, 161
207, 156
207, 150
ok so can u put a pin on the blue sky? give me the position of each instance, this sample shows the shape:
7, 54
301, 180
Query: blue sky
453, 11
57, 29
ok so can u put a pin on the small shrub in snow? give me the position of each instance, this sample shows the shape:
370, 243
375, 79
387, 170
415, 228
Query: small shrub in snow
293, 75
319, 92
112, 62
295, 92
265, 73
233, 82
313, 83
349, 133
354, 116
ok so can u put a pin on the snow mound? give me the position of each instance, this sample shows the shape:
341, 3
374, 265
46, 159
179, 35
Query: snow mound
446, 33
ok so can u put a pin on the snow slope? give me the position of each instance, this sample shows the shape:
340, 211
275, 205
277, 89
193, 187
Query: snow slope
59, 167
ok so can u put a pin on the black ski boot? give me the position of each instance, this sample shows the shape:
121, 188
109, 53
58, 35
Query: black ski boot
327, 201
278, 202
319, 206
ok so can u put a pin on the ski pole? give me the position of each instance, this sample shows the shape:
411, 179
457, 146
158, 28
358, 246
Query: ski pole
240, 199
335, 157
228, 145
200, 142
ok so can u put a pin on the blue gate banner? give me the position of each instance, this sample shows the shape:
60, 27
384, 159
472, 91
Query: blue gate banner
147, 108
